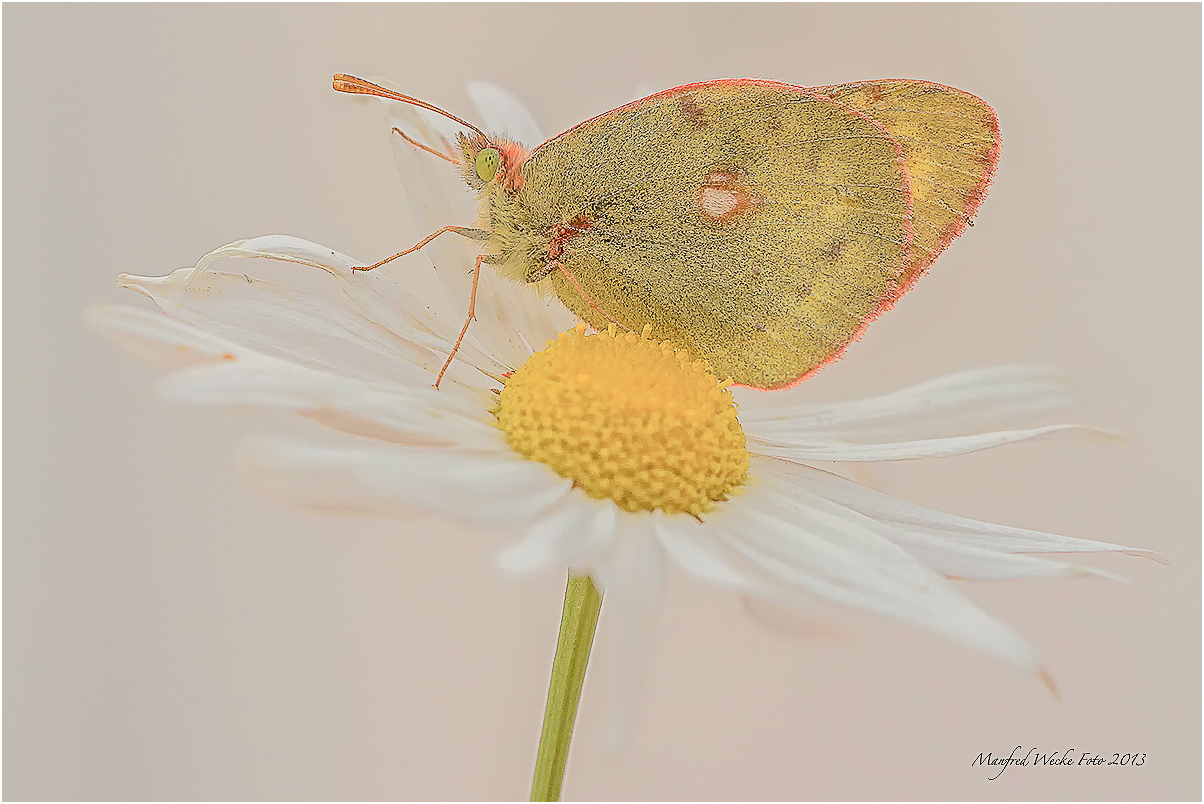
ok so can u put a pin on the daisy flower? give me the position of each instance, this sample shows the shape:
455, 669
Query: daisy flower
606, 454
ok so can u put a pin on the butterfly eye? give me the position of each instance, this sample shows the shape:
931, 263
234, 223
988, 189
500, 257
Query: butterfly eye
488, 161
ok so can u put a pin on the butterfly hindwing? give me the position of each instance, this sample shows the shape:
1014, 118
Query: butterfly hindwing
950, 141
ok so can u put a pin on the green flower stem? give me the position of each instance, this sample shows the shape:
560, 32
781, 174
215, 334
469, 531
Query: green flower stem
582, 602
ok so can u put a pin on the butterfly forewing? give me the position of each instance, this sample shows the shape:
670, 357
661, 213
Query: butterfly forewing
950, 141
758, 224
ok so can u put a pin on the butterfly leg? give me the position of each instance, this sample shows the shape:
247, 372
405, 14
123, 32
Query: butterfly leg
585, 296
475, 234
472, 308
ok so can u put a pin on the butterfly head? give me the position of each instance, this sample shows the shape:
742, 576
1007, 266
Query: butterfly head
488, 162
492, 162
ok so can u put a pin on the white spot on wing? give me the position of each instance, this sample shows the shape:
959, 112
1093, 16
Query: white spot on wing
719, 201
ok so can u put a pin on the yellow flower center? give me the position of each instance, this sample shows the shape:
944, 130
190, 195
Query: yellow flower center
627, 419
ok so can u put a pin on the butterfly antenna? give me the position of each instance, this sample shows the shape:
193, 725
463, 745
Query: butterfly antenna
358, 86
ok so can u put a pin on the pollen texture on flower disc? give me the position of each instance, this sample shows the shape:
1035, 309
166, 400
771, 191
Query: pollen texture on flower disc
627, 419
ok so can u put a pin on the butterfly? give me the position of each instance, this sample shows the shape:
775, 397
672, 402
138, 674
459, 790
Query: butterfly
759, 225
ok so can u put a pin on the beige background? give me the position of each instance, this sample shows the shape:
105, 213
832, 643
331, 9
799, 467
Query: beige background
169, 635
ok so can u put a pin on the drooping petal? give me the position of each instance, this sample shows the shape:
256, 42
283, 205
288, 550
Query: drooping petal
804, 543
918, 519
599, 541
632, 580
502, 113
805, 448
491, 489
958, 404
565, 534
697, 550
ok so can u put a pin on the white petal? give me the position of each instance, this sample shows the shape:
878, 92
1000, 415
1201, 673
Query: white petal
971, 401
415, 415
489, 489
502, 113
955, 559
316, 478
804, 448
789, 617
213, 371
508, 316
948, 553
697, 550
437, 196
560, 535
287, 324
380, 298
632, 581
157, 339
600, 538
536, 312
918, 519
805, 543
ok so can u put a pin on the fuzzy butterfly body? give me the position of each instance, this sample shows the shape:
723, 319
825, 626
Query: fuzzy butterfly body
759, 225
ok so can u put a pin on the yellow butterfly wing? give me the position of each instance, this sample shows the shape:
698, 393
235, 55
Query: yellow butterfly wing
758, 224
950, 141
